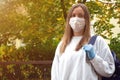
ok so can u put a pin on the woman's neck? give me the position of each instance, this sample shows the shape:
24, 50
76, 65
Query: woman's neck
78, 33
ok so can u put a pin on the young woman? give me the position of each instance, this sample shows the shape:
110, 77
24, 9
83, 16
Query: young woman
74, 58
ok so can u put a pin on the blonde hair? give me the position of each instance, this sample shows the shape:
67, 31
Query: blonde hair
68, 34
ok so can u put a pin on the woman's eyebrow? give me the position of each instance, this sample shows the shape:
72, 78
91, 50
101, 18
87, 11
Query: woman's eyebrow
80, 14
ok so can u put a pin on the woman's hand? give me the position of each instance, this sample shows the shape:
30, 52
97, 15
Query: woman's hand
89, 51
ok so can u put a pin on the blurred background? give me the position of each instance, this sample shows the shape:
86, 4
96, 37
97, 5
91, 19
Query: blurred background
31, 29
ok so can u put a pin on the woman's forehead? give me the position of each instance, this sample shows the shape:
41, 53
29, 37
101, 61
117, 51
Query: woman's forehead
78, 10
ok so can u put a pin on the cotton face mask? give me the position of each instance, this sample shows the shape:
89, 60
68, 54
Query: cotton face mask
77, 23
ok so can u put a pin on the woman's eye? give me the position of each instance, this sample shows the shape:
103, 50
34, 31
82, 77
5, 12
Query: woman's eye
80, 15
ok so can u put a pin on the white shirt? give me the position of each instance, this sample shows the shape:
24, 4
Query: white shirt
74, 65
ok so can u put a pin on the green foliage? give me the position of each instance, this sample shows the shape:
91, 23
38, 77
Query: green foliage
115, 45
39, 24
34, 22
103, 12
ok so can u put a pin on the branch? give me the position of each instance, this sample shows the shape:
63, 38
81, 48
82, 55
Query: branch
63, 8
81, 1
84, 1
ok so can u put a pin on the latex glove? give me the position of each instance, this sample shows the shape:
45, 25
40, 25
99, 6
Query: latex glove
89, 51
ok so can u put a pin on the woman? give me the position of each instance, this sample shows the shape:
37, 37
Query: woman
74, 58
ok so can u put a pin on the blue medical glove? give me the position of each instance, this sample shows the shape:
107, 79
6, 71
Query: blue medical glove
89, 51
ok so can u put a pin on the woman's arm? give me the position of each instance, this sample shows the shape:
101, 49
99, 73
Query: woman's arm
55, 64
103, 61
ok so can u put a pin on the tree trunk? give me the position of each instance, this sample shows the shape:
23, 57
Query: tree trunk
84, 1
63, 8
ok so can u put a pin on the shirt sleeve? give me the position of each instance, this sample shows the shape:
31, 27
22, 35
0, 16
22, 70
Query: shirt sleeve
103, 62
55, 64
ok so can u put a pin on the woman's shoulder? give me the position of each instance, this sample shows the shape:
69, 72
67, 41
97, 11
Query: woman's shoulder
100, 40
60, 42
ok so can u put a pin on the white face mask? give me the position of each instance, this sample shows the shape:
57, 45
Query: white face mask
77, 23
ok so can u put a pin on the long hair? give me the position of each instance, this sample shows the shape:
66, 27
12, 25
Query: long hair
68, 33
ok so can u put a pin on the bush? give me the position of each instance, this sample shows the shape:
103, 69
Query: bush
115, 45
